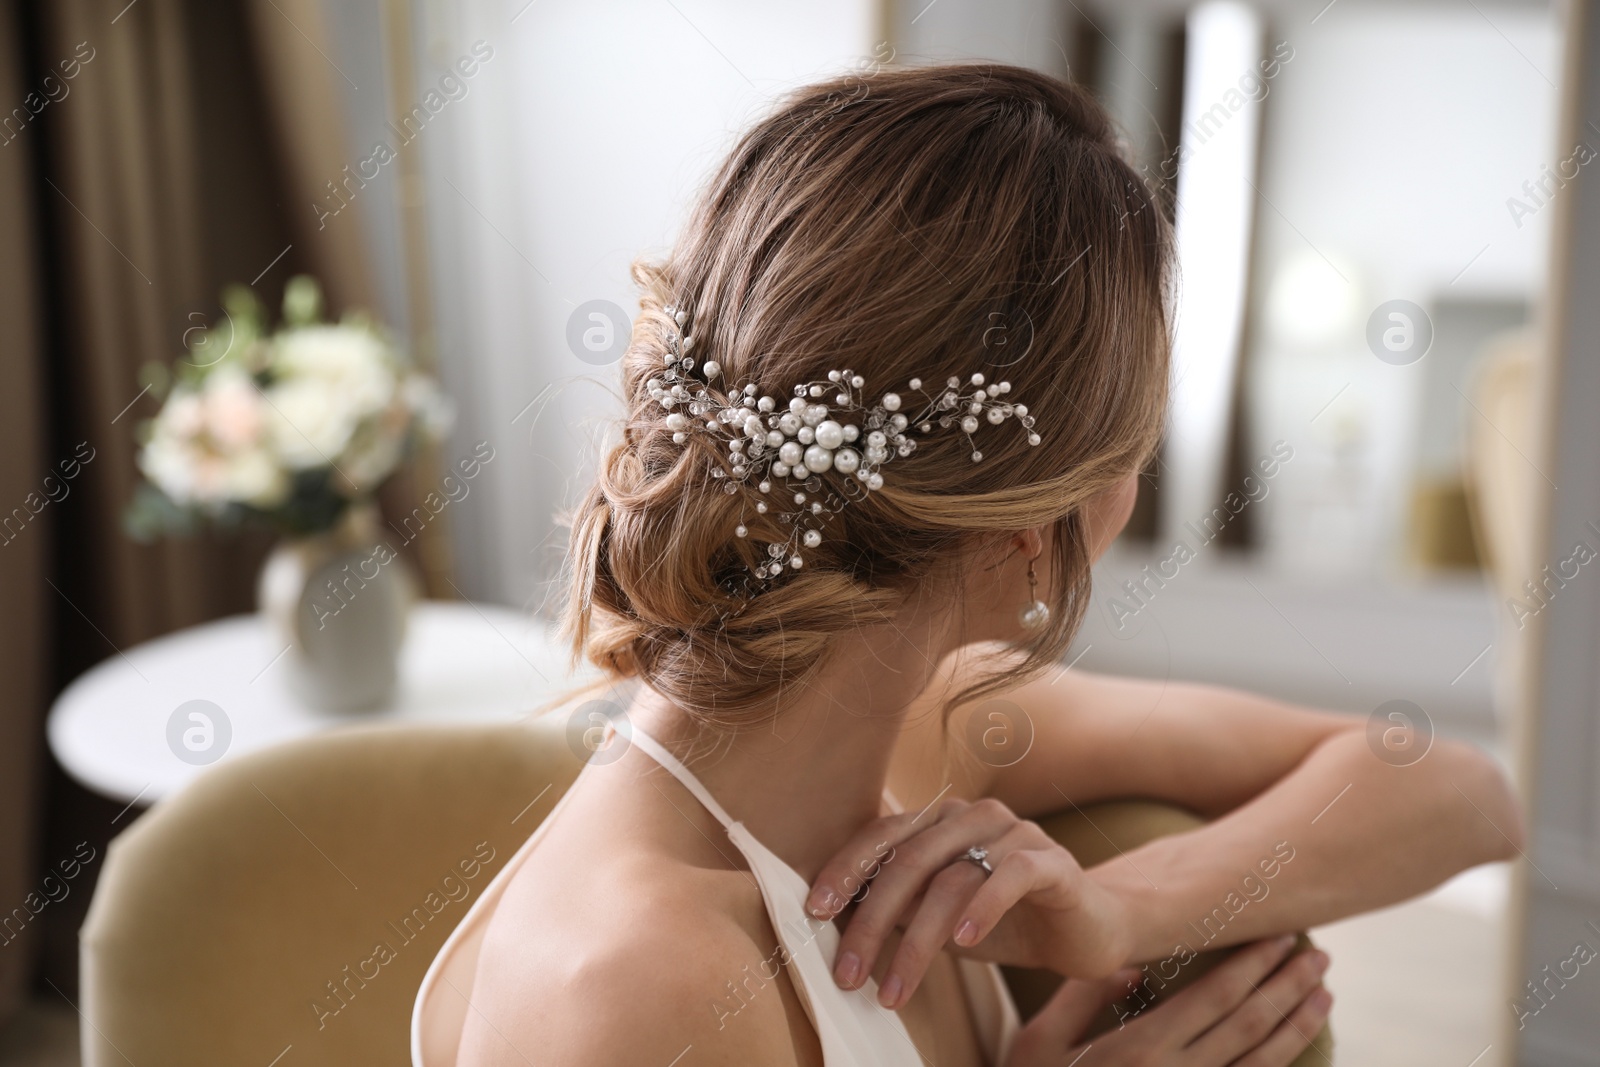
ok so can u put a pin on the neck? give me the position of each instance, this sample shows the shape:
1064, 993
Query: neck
807, 780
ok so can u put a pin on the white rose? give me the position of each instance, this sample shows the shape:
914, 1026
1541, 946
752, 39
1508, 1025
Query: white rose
310, 424
350, 360
169, 462
183, 415
255, 477
232, 409
210, 474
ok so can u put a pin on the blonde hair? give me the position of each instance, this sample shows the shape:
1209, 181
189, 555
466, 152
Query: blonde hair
890, 223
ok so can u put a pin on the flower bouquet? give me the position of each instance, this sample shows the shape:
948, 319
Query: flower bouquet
295, 428
288, 428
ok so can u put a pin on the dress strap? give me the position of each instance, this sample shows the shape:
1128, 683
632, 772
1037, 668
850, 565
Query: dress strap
658, 752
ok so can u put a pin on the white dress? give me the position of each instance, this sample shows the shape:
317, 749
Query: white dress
853, 1029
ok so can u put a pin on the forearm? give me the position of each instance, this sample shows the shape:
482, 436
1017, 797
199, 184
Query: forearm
1343, 833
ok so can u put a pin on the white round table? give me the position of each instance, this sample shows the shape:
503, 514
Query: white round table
460, 663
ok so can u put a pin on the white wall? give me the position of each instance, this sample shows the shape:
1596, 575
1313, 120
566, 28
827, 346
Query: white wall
1028, 33
588, 134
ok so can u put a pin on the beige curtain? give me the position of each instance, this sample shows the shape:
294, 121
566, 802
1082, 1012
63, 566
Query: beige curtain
186, 154
304, 88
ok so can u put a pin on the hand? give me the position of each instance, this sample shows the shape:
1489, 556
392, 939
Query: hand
1038, 908
1229, 1016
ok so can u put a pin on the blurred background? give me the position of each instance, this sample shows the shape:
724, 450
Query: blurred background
1379, 383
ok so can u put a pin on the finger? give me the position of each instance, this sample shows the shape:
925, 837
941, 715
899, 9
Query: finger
855, 865
1294, 1034
929, 929
1248, 1025
1019, 870
1066, 1015
1195, 1009
861, 857
916, 861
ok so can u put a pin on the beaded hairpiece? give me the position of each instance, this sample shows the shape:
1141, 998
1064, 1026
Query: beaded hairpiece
784, 450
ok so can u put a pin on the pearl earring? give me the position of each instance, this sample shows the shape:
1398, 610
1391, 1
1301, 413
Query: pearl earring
1037, 614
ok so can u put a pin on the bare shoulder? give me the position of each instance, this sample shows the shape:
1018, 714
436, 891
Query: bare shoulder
631, 957
646, 986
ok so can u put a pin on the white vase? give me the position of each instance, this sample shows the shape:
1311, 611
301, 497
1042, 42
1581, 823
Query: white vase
337, 601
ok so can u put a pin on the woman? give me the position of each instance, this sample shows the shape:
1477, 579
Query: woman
888, 400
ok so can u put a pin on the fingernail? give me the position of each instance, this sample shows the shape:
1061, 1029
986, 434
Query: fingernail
967, 932
1285, 943
889, 995
1319, 961
1320, 1001
848, 969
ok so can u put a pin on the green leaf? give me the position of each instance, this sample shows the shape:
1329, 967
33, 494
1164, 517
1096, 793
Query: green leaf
302, 301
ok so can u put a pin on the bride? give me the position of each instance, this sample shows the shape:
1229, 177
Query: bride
888, 398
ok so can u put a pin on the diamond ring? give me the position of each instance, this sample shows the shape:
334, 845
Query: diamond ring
978, 856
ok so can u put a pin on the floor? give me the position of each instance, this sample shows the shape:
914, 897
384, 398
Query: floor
1414, 986
1418, 985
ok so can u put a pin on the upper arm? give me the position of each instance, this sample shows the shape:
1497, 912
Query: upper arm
1097, 737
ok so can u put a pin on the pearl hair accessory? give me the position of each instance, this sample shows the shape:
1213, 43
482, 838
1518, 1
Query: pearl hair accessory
782, 449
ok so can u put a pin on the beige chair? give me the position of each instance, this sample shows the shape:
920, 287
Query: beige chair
237, 918
1503, 431
288, 903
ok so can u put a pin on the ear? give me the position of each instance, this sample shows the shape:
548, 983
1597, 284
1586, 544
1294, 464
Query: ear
1029, 542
